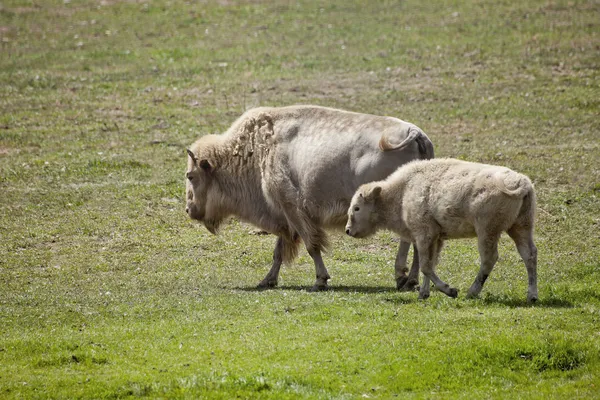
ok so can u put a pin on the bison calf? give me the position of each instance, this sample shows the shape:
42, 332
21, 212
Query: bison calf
427, 202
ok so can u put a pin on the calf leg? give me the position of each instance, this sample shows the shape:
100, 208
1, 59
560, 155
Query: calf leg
272, 276
523, 238
405, 282
412, 280
488, 253
425, 289
321, 271
400, 264
429, 251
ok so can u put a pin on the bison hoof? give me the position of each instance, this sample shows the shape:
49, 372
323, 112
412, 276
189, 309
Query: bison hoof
410, 286
400, 282
319, 288
265, 284
453, 292
423, 296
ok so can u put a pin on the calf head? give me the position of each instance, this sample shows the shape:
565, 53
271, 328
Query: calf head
362, 214
199, 181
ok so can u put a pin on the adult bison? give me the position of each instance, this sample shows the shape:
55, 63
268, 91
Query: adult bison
292, 171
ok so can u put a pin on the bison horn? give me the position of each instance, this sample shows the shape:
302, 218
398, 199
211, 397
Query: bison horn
192, 156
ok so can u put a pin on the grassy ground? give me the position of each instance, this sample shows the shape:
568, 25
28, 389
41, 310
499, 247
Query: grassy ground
107, 290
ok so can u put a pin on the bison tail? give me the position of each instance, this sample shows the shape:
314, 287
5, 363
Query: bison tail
425, 147
385, 145
414, 134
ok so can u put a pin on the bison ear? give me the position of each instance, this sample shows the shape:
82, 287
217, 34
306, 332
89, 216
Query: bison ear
192, 156
205, 165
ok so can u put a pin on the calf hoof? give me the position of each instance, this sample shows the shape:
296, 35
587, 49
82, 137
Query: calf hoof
266, 284
532, 299
410, 285
319, 288
423, 296
471, 295
400, 282
453, 292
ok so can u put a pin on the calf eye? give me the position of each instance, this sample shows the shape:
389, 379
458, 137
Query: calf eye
190, 176
356, 208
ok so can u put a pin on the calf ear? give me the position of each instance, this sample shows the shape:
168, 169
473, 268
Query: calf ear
192, 156
376, 191
205, 165
373, 193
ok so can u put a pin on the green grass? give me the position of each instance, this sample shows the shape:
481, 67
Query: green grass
107, 290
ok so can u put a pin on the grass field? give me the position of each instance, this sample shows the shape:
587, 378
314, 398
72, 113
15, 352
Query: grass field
108, 290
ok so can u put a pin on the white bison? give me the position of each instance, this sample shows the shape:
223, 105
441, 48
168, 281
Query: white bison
292, 171
427, 202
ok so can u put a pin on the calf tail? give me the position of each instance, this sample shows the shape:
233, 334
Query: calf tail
526, 215
520, 185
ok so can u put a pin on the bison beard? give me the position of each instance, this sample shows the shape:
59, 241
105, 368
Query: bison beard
212, 225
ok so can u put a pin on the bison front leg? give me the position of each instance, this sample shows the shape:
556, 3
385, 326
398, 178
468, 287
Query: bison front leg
272, 277
322, 274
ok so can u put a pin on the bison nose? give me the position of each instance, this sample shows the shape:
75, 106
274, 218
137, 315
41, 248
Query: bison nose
347, 231
187, 210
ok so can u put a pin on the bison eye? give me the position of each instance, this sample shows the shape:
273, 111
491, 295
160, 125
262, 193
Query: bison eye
356, 208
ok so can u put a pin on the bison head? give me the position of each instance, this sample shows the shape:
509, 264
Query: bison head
362, 214
199, 182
